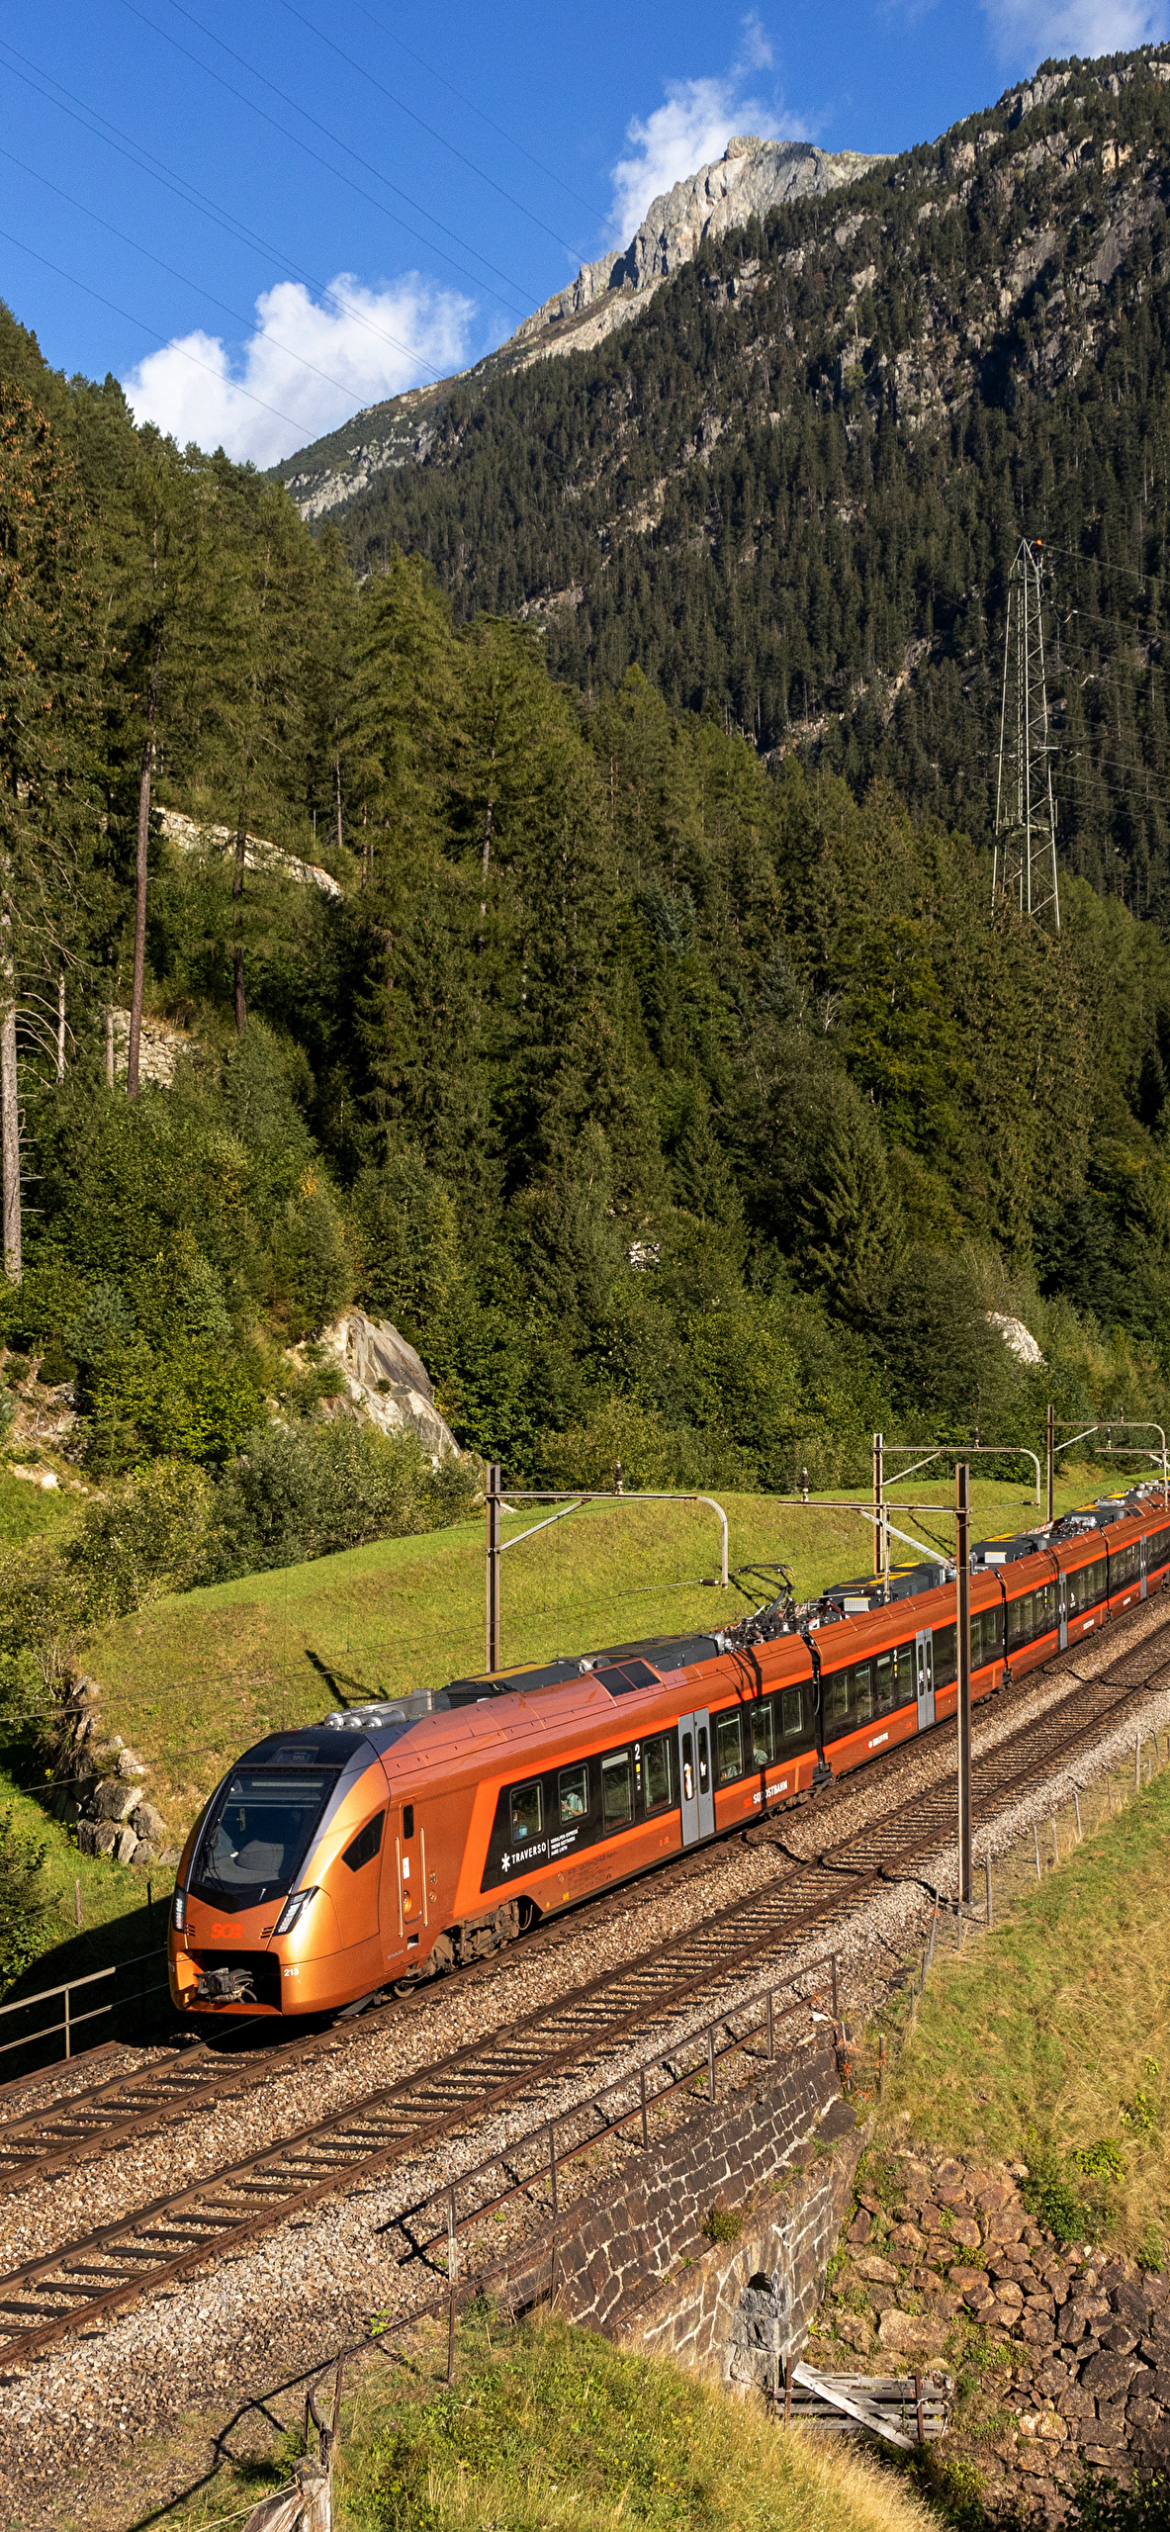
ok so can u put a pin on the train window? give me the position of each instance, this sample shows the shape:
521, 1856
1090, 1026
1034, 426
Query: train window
659, 1775
1020, 1618
837, 1697
617, 1792
365, 1845
792, 1714
761, 1724
408, 1819
945, 1656
861, 1700
893, 1679
573, 1790
1093, 1582
1158, 1550
527, 1813
728, 1742
987, 1636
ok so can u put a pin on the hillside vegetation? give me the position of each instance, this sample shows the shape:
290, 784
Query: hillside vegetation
680, 1114
792, 487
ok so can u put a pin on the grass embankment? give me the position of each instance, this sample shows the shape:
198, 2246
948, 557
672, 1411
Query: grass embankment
547, 2427
1047, 2042
191, 1680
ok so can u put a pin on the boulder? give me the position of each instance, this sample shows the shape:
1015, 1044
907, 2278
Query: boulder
144, 1852
875, 2270
129, 1765
856, 2331
113, 1801
125, 1844
911, 2333
1106, 2375
387, 1382
149, 1823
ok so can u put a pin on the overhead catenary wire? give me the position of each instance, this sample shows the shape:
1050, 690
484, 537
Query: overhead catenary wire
394, 38
113, 138
130, 319
222, 304
339, 173
365, 73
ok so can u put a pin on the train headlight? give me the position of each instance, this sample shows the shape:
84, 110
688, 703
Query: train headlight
293, 1910
179, 1911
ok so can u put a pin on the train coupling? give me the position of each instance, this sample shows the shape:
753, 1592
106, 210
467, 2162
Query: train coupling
225, 1986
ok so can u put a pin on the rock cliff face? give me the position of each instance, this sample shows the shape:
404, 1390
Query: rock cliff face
752, 178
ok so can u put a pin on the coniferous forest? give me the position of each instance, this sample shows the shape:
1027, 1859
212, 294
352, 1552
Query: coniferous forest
679, 1098
794, 487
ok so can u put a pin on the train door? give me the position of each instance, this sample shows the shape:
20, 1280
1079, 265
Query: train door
694, 1775
1062, 1611
406, 1915
924, 1671
1144, 1566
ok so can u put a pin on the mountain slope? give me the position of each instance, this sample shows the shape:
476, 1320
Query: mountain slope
752, 178
793, 486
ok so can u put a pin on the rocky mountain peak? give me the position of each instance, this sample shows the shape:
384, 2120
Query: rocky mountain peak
752, 178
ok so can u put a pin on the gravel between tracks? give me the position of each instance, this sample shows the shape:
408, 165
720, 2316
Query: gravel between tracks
291, 2298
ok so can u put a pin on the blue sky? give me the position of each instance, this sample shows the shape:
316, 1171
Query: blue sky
265, 214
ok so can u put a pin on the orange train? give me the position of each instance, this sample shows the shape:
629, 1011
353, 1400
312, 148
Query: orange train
390, 1843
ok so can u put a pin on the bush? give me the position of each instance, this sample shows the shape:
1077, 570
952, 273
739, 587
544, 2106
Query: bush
304, 1491
146, 1535
21, 1902
1052, 2199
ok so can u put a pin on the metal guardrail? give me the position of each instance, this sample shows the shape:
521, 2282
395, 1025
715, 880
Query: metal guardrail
70, 2021
705, 2041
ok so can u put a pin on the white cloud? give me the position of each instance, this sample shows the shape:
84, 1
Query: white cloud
1026, 32
306, 368
692, 126
755, 51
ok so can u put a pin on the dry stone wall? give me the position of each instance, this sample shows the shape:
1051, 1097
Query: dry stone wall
1073, 2347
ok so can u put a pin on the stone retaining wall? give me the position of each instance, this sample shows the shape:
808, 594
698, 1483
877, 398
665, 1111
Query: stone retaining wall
637, 2262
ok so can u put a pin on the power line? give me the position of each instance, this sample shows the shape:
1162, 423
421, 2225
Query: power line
125, 147
469, 102
429, 128
152, 330
323, 128
176, 275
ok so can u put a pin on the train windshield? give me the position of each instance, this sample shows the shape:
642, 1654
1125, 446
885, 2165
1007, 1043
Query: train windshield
258, 1834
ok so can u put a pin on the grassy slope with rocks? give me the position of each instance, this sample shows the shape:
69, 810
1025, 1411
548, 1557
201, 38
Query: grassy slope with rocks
1013, 2217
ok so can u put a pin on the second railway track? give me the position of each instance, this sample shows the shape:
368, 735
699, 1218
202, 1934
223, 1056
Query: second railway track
56, 2293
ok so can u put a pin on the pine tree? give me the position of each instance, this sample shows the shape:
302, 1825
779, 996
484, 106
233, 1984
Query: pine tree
49, 727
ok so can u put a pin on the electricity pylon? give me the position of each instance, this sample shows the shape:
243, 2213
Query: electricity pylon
1025, 812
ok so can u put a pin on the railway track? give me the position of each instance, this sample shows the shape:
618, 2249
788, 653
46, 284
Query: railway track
57, 2293
242, 2056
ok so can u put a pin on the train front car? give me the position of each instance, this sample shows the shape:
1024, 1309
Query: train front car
278, 1895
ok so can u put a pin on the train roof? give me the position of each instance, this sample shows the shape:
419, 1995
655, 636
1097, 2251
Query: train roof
573, 1690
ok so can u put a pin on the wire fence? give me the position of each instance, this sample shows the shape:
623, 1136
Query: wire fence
1001, 1881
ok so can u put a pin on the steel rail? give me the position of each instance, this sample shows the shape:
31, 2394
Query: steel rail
127, 2105
111, 2267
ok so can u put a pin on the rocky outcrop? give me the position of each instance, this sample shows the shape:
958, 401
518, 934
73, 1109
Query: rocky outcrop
942, 2255
98, 1787
752, 178
386, 1382
188, 836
